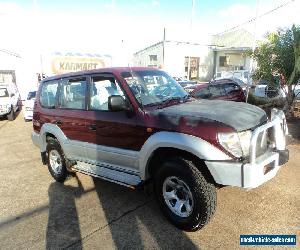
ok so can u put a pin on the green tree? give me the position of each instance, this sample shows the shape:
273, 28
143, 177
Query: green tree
278, 57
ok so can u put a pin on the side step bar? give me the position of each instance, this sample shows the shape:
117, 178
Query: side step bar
112, 175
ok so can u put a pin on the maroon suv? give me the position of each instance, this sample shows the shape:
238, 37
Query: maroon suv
224, 89
133, 126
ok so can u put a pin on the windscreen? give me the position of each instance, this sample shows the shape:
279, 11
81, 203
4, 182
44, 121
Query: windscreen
153, 86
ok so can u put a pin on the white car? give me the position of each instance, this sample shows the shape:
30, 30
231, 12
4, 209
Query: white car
9, 100
28, 107
264, 90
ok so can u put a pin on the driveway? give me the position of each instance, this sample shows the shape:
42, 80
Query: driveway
87, 213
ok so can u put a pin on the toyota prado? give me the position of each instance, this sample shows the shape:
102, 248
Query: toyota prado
132, 126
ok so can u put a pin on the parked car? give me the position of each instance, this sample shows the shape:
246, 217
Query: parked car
264, 89
184, 82
243, 75
107, 123
29, 103
9, 101
224, 89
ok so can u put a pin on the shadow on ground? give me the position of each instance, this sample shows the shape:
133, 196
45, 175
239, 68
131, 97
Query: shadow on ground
63, 224
294, 129
140, 225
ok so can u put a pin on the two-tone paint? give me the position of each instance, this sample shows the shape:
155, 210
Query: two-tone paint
125, 141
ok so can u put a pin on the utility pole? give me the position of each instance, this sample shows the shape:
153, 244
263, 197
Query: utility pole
191, 30
163, 52
253, 48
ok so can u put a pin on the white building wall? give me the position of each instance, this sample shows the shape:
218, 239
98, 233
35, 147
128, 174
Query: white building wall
174, 58
25, 72
142, 58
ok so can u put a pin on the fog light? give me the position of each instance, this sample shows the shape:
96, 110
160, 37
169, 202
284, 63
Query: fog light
268, 167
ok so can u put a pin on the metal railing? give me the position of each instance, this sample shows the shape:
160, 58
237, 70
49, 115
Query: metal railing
278, 121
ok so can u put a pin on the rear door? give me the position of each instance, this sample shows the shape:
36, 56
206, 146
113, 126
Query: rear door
70, 114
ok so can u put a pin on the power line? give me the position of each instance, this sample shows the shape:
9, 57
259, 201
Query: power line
10, 53
253, 19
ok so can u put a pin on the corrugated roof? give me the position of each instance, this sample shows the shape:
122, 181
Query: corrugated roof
234, 39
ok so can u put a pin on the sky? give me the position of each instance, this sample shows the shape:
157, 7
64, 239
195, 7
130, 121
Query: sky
119, 27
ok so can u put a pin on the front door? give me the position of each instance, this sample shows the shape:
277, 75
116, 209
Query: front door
113, 135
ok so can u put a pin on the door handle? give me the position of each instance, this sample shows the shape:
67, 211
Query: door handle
92, 127
58, 122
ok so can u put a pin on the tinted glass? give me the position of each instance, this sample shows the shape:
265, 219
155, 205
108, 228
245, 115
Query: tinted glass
101, 89
73, 94
48, 94
215, 90
153, 86
231, 88
202, 93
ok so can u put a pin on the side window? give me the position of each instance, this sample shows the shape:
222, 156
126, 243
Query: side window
216, 90
102, 88
203, 93
72, 94
230, 88
48, 94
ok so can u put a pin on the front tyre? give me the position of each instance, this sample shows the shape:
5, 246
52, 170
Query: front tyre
184, 195
56, 161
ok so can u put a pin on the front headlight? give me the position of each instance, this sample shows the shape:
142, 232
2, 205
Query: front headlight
245, 139
8, 107
238, 144
231, 142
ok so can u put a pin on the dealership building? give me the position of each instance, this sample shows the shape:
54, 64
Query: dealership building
225, 53
26, 70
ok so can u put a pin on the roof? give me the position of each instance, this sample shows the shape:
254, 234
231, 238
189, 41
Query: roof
234, 39
117, 70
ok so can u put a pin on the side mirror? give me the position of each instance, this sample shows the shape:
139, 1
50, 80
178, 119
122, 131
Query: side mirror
117, 103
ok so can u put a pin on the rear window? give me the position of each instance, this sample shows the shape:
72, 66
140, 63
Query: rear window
230, 87
202, 93
48, 94
216, 90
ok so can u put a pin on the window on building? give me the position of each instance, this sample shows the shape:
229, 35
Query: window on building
223, 61
153, 61
153, 58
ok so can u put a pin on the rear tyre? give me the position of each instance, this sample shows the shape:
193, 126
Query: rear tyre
56, 161
184, 195
11, 116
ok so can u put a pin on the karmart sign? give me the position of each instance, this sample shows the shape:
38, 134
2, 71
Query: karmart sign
64, 64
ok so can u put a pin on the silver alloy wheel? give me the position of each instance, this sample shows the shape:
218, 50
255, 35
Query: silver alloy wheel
55, 161
178, 196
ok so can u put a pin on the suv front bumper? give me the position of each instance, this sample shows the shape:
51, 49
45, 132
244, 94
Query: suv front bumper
259, 169
247, 175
